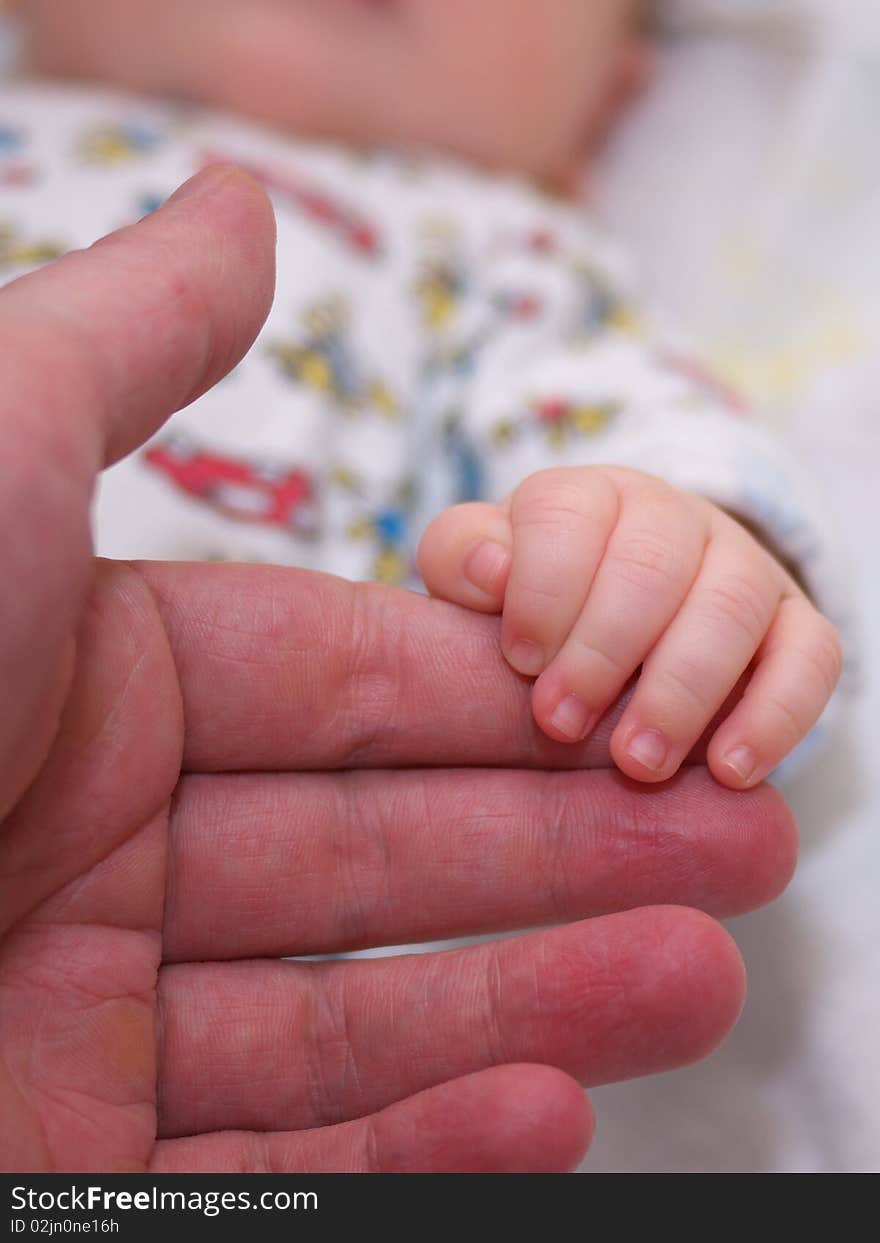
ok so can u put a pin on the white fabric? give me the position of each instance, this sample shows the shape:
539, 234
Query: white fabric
436, 333
762, 235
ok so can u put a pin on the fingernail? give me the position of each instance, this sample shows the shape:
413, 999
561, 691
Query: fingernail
526, 658
572, 718
485, 567
743, 762
650, 749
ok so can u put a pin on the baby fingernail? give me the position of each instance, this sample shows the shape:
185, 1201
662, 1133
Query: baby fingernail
526, 658
743, 762
650, 749
572, 718
485, 567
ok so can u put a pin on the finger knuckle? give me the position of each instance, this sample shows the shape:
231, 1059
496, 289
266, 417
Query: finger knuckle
825, 655
601, 662
564, 496
736, 603
527, 607
645, 560
789, 727
495, 1008
684, 686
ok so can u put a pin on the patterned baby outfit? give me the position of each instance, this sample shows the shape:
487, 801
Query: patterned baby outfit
437, 335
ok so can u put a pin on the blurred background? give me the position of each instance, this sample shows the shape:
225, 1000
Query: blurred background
747, 181
759, 227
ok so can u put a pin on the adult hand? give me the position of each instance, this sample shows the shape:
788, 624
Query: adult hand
205, 768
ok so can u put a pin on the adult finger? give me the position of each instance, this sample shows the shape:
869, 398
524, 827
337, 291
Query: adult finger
97, 350
141, 323
290, 670
418, 855
509, 1119
279, 1046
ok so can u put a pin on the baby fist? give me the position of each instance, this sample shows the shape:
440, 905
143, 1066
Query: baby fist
599, 571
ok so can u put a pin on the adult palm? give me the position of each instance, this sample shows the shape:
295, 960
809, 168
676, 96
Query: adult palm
204, 769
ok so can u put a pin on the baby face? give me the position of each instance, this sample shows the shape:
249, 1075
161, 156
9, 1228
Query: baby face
522, 84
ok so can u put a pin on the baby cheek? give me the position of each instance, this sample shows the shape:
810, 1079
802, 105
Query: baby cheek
511, 82
136, 43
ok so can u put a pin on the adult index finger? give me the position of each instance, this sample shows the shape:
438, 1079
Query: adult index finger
95, 352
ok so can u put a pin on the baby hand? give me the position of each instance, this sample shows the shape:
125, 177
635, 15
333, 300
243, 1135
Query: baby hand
600, 570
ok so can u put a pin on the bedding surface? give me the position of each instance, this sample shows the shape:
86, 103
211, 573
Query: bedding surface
759, 226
